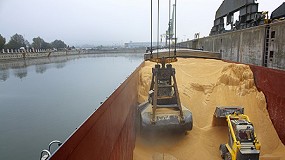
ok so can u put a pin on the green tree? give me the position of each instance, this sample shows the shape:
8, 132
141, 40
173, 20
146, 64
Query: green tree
58, 44
39, 43
27, 43
17, 41
46, 45
2, 42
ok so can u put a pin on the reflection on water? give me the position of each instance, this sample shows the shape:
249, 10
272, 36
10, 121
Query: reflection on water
41, 68
59, 65
19, 68
46, 99
20, 72
4, 74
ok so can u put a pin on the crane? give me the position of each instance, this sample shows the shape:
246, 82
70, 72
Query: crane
169, 32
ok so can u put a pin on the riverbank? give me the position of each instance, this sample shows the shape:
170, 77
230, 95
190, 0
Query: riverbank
47, 53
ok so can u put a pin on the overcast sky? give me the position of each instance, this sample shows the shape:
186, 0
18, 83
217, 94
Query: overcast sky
96, 22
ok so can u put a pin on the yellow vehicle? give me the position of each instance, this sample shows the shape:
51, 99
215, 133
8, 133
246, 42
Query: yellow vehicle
267, 20
243, 143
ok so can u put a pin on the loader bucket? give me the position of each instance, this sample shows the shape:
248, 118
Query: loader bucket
166, 119
219, 117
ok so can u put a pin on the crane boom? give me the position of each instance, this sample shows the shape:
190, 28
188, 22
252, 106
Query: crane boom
169, 32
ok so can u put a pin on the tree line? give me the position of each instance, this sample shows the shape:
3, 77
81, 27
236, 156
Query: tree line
17, 41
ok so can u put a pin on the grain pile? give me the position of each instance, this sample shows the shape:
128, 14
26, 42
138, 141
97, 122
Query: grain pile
204, 84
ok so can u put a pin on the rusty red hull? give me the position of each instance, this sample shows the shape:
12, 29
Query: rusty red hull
272, 83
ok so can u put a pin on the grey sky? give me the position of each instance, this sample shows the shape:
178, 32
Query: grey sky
95, 22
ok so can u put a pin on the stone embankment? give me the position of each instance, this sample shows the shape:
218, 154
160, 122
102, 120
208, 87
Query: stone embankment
13, 54
10, 54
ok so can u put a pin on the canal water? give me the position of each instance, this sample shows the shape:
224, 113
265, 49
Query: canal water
47, 99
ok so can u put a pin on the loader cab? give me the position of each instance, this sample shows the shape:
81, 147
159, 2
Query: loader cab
245, 135
244, 130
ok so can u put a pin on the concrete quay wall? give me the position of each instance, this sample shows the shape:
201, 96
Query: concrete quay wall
22, 55
19, 54
262, 45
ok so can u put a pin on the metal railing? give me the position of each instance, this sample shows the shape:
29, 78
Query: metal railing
45, 154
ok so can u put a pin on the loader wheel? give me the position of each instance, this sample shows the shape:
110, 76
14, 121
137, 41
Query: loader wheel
228, 156
223, 150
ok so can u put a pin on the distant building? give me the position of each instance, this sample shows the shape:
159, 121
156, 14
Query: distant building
140, 44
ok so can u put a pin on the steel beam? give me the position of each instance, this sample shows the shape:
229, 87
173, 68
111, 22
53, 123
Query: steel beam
231, 6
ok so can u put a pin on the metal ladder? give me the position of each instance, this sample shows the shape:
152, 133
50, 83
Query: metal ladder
45, 154
266, 46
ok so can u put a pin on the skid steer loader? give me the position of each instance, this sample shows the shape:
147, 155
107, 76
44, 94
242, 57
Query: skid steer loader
243, 143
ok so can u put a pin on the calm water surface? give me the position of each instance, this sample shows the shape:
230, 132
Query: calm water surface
48, 99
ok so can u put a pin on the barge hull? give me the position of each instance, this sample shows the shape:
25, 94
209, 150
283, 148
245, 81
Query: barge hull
271, 83
109, 133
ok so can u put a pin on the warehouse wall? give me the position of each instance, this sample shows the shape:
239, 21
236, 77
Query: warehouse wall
248, 45
277, 46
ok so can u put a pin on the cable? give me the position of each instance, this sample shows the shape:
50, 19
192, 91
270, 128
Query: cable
169, 27
175, 31
157, 28
151, 29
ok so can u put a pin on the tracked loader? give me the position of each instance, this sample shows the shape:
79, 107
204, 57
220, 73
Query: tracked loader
163, 110
243, 143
